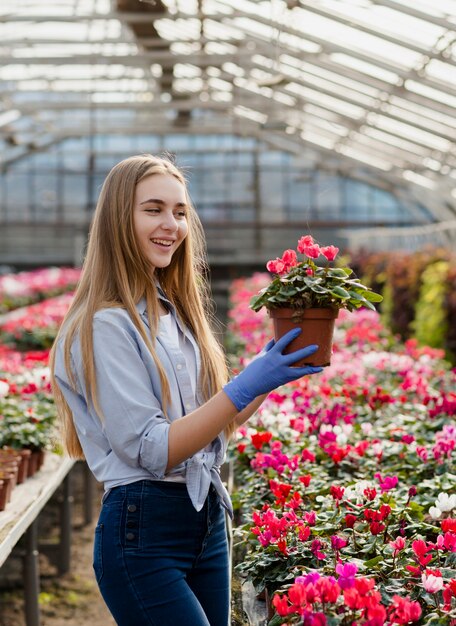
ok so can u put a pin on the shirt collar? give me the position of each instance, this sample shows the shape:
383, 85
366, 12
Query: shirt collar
142, 307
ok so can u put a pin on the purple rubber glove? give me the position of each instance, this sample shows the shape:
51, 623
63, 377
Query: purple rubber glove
269, 370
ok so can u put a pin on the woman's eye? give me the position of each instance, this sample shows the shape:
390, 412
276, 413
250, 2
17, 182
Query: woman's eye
153, 210
181, 213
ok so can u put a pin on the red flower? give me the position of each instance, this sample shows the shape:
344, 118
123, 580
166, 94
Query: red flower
258, 439
305, 480
337, 492
420, 549
377, 528
448, 525
402, 611
281, 604
350, 520
370, 493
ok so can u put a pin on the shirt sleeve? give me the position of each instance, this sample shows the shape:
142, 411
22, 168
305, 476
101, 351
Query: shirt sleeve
132, 417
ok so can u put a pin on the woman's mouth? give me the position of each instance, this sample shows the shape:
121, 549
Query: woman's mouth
163, 243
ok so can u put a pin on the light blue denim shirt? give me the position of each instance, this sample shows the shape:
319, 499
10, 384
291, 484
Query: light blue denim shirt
130, 442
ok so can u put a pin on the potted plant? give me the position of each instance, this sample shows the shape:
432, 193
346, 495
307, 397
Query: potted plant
311, 295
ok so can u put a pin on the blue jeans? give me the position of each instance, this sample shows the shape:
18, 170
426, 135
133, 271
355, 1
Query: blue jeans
158, 561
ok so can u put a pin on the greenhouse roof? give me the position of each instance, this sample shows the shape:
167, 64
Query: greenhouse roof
366, 86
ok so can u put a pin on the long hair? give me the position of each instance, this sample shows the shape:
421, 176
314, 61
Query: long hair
116, 273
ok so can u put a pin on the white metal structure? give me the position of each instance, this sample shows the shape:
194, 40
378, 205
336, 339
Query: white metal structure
368, 87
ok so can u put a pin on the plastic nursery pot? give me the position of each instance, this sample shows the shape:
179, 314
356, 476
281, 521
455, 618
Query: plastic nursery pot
317, 328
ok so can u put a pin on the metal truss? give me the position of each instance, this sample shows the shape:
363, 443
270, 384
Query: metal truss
366, 86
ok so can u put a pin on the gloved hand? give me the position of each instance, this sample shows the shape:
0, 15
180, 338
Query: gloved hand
269, 370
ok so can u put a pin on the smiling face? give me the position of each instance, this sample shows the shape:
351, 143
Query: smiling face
160, 217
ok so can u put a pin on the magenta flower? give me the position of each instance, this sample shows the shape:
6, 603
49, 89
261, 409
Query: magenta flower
387, 483
337, 542
347, 574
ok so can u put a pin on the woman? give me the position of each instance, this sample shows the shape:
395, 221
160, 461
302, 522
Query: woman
141, 386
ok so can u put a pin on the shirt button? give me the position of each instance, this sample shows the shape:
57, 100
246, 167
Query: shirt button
130, 536
131, 508
178, 366
188, 406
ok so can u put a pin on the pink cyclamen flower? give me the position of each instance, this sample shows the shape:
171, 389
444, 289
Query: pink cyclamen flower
330, 252
347, 574
312, 252
289, 259
432, 583
338, 543
398, 544
305, 242
387, 483
276, 266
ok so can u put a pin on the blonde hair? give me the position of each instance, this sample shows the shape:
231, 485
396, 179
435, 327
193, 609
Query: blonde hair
116, 273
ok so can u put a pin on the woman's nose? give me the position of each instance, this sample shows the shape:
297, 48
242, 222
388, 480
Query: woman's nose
170, 222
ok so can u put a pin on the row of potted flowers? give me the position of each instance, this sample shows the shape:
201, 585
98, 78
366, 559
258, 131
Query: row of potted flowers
27, 416
347, 500
34, 327
23, 288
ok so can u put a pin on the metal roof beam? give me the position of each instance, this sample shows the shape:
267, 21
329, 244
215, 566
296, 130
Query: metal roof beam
413, 12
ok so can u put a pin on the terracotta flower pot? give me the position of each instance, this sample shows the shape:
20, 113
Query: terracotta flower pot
317, 328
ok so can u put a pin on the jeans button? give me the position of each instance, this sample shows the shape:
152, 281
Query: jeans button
130, 524
131, 508
130, 536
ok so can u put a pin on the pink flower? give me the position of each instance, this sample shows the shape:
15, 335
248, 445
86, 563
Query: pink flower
305, 242
330, 252
312, 252
276, 266
387, 483
347, 574
337, 542
432, 583
289, 259
398, 544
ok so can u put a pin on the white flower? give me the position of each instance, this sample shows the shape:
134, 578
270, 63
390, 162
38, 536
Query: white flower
4, 388
435, 512
445, 502
432, 583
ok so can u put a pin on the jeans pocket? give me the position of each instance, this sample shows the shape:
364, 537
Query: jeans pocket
98, 553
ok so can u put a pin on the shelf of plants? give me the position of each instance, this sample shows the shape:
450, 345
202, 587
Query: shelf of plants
346, 481
31, 469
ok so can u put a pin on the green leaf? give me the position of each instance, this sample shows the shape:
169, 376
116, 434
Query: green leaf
276, 621
340, 292
356, 296
372, 296
375, 561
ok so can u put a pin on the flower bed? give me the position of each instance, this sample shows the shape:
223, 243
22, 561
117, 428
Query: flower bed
35, 327
17, 290
347, 499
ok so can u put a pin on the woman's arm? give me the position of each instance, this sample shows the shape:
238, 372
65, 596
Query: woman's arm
189, 434
239, 398
250, 409
194, 431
